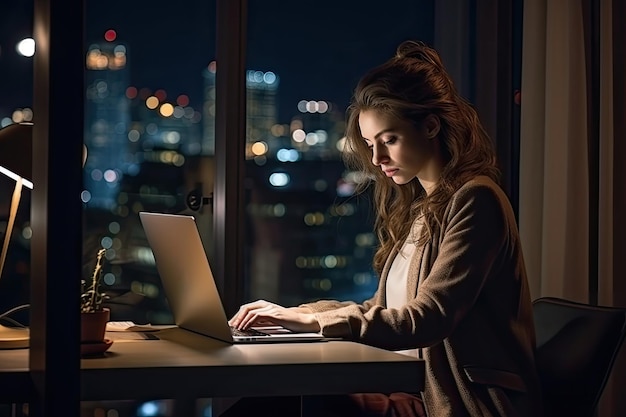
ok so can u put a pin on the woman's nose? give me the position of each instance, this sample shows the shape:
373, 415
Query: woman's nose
378, 155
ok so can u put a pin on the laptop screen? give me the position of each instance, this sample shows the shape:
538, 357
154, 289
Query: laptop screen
186, 275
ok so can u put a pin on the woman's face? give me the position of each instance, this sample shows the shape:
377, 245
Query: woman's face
402, 150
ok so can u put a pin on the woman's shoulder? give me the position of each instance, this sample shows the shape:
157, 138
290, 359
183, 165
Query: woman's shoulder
478, 183
481, 190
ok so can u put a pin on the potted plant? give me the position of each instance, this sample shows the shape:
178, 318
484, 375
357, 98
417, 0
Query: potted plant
93, 315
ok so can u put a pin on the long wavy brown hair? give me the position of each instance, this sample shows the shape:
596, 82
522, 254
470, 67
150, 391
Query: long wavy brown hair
410, 86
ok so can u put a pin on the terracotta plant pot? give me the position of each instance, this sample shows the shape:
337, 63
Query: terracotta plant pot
93, 326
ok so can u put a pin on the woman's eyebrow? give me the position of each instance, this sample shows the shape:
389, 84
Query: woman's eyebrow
382, 132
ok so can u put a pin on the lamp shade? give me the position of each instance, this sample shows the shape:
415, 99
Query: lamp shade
16, 149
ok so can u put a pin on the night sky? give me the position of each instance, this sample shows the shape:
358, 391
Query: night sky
317, 48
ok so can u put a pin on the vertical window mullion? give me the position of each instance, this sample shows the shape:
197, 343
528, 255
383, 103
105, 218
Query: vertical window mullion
230, 119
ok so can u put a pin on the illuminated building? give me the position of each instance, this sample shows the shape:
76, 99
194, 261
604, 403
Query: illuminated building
106, 120
261, 107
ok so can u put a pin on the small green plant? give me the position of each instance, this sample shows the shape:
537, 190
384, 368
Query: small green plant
91, 297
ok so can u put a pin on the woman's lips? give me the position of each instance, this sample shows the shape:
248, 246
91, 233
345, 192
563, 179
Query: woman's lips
390, 172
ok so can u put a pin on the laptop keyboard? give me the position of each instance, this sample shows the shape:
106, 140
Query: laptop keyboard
247, 332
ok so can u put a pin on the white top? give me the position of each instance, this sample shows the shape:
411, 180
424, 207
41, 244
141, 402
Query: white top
398, 276
396, 287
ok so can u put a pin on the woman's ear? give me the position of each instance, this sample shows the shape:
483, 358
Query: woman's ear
432, 125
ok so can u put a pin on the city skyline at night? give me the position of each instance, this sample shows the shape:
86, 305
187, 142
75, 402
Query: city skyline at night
318, 50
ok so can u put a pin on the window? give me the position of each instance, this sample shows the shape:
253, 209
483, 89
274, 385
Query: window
308, 235
150, 117
146, 76
150, 78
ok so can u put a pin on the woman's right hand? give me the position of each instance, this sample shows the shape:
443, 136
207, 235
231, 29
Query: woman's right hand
261, 312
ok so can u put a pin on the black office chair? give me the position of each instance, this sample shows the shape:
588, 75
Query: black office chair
576, 347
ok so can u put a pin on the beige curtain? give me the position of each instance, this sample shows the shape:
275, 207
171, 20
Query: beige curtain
570, 188
554, 207
555, 199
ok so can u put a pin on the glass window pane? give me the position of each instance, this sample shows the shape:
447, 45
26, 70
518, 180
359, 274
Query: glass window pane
145, 71
308, 235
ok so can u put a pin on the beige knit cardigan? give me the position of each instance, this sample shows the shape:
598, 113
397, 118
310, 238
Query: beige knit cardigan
469, 311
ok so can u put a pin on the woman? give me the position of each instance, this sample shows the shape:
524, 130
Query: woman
453, 287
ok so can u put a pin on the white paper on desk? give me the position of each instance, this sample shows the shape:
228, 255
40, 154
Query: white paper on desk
129, 326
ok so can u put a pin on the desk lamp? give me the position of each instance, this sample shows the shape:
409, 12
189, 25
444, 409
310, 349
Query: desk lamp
16, 163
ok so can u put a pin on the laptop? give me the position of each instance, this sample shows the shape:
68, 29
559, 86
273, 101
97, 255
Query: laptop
189, 284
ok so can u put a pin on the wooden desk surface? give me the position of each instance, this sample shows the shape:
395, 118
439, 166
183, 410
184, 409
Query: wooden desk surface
185, 365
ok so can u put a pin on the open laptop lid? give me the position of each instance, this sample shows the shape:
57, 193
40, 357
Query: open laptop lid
186, 275
189, 284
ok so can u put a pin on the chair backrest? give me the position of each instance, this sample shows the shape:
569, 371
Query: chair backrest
576, 347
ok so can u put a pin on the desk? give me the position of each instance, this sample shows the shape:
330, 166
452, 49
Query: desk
186, 365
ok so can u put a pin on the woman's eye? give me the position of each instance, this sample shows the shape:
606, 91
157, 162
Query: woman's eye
390, 140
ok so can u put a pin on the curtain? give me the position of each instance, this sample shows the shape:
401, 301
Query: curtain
554, 189
571, 177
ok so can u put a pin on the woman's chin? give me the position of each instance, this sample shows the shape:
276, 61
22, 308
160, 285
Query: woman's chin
401, 180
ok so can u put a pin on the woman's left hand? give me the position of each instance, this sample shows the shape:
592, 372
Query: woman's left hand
261, 312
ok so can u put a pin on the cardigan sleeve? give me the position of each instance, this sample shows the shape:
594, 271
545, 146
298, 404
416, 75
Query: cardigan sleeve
329, 305
474, 232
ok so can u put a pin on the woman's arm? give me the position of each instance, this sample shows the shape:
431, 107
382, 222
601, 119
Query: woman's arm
329, 305
300, 318
476, 228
